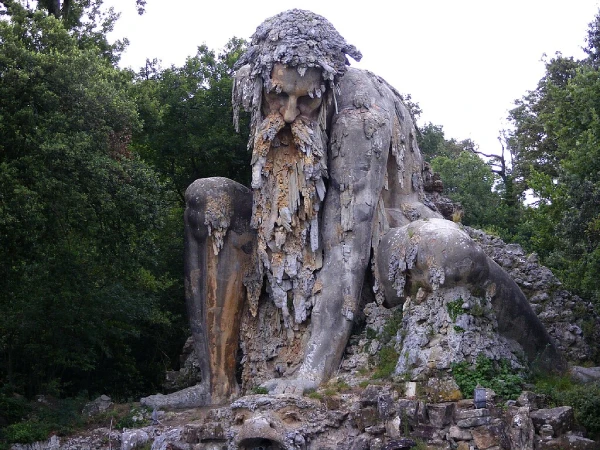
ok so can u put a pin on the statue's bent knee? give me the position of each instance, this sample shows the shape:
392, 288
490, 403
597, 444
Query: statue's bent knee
429, 254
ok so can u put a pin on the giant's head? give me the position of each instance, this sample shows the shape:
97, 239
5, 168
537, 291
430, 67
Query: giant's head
296, 55
287, 79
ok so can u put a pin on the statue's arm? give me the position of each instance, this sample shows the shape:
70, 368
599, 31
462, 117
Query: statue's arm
359, 144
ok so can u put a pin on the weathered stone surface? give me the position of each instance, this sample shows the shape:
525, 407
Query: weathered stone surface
443, 390
546, 431
98, 406
463, 446
170, 439
568, 441
474, 422
462, 414
434, 340
424, 432
490, 436
189, 374
529, 399
385, 405
370, 396
585, 374
196, 433
554, 306
520, 428
392, 427
459, 434
408, 409
561, 419
361, 442
440, 414
400, 444
131, 439
333, 183
366, 417
186, 398
300, 423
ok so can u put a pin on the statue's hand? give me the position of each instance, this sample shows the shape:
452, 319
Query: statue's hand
295, 386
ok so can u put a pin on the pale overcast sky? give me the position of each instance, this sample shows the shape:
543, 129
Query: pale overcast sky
463, 61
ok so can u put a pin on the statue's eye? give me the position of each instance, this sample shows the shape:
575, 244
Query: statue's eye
308, 102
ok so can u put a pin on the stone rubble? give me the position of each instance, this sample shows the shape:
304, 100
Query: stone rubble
376, 417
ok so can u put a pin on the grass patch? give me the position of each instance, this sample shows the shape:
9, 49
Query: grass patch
388, 358
391, 327
584, 398
259, 390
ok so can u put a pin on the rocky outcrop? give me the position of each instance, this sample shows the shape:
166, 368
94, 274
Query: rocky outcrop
376, 417
570, 320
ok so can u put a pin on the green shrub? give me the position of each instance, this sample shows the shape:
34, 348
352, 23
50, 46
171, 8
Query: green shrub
13, 408
584, 398
496, 375
260, 390
25, 432
455, 308
392, 325
388, 358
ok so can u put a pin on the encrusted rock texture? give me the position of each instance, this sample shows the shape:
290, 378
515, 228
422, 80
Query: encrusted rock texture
570, 320
376, 417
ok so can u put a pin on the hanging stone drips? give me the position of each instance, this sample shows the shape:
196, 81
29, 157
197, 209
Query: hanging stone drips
288, 170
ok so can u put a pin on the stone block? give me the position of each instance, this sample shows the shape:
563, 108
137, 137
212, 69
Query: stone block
365, 417
410, 389
400, 444
520, 428
408, 409
385, 405
370, 395
133, 438
392, 427
424, 432
473, 422
440, 414
375, 429
196, 433
568, 441
488, 436
462, 414
529, 399
459, 434
361, 442
98, 406
561, 419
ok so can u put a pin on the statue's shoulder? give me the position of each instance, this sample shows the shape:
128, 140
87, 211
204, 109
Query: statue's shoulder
360, 83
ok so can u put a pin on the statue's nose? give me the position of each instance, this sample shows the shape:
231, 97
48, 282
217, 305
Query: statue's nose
290, 110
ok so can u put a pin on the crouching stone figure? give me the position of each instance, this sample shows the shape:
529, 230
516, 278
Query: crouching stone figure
336, 199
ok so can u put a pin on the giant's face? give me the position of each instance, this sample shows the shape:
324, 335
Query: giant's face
294, 95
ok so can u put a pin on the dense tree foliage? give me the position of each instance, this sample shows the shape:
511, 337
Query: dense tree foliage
81, 220
188, 131
468, 180
556, 142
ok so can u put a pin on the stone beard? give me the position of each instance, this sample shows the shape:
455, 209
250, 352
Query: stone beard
288, 169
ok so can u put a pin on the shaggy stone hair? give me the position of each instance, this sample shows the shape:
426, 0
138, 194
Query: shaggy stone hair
296, 38
301, 39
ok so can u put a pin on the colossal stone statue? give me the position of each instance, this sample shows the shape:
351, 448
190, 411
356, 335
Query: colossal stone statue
336, 201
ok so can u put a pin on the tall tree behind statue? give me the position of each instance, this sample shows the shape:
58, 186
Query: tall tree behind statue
556, 140
81, 217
